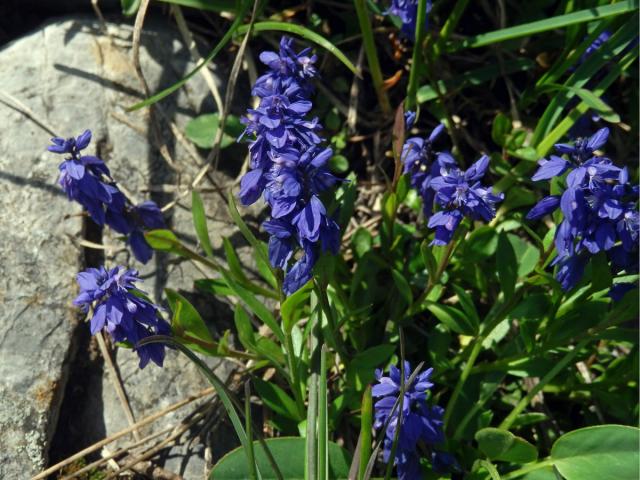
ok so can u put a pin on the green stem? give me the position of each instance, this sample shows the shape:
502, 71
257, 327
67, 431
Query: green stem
333, 331
323, 428
214, 346
417, 56
311, 468
444, 261
476, 348
522, 404
251, 459
366, 423
450, 25
296, 384
372, 55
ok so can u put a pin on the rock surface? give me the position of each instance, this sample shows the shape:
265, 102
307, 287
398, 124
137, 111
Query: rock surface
73, 77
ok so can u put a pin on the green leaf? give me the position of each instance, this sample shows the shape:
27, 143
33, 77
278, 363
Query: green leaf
500, 129
289, 310
474, 77
288, 453
428, 259
200, 223
526, 253
466, 302
592, 100
255, 305
546, 24
304, 33
277, 399
360, 369
502, 445
209, 5
452, 318
605, 451
339, 163
361, 241
528, 419
202, 130
214, 286
235, 267
187, 323
258, 247
403, 286
244, 327
222, 391
129, 7
219, 46
507, 265
481, 244
163, 240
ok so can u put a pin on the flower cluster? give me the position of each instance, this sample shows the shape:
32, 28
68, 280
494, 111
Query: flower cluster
120, 308
437, 179
420, 423
289, 165
87, 180
599, 208
407, 11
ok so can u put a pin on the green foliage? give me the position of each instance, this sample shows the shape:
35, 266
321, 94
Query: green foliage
485, 311
233, 466
202, 130
605, 451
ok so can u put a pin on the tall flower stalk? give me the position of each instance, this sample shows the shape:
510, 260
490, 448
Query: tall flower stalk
289, 165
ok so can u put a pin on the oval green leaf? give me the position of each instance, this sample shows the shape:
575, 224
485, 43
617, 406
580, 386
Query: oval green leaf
605, 451
288, 453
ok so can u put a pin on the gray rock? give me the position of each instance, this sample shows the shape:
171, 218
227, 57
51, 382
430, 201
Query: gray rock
74, 77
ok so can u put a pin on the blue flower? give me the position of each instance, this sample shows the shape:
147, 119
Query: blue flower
407, 11
598, 205
420, 422
289, 167
87, 180
461, 194
119, 308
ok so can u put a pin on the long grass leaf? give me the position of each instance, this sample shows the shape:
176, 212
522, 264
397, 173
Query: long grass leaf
372, 55
540, 26
219, 46
323, 427
304, 33
583, 74
221, 389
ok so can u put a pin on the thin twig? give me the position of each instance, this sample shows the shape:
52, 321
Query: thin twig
18, 106
212, 159
117, 453
191, 45
122, 433
117, 384
177, 433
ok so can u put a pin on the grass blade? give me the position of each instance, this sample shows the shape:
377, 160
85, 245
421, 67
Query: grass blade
474, 77
251, 458
563, 127
200, 223
304, 33
221, 389
209, 5
583, 74
539, 26
372, 55
366, 424
323, 427
417, 56
223, 41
